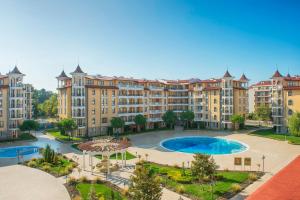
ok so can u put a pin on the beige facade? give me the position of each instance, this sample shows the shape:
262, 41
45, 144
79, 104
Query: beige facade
15, 103
92, 101
261, 95
285, 99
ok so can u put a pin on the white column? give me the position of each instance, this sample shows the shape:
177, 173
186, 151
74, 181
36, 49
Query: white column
108, 163
125, 158
92, 164
122, 155
83, 160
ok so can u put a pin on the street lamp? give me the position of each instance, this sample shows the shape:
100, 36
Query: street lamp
263, 162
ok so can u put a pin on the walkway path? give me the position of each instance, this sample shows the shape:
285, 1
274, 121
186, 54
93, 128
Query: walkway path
19, 182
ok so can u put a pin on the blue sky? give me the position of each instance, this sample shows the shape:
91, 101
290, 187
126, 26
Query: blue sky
149, 38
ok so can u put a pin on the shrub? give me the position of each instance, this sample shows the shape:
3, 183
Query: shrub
72, 181
46, 168
252, 177
32, 164
236, 187
98, 180
163, 171
83, 179
181, 179
180, 189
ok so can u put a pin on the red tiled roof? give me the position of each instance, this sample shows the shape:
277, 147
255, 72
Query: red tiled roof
283, 185
262, 83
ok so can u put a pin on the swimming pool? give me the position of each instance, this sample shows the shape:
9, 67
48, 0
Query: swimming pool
13, 152
204, 145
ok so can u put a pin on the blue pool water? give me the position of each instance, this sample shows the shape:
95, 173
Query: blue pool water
204, 145
12, 152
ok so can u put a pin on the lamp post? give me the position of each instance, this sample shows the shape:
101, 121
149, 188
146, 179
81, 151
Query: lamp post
263, 162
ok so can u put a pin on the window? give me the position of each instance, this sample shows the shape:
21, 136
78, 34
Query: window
93, 111
215, 109
215, 101
93, 92
93, 121
215, 117
290, 112
290, 102
104, 120
1, 124
290, 93
93, 102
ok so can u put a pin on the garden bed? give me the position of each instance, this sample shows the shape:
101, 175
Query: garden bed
226, 185
61, 167
80, 189
22, 137
269, 133
62, 138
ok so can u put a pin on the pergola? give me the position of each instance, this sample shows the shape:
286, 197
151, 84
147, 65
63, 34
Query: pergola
104, 147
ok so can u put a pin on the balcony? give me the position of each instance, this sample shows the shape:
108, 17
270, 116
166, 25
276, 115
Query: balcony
130, 113
130, 105
156, 88
155, 103
156, 111
130, 87
154, 120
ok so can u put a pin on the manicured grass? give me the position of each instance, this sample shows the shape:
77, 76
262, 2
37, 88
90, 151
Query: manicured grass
56, 133
269, 133
101, 190
62, 167
22, 137
174, 178
129, 156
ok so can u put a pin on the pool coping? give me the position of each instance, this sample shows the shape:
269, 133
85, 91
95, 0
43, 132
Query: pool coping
169, 150
11, 147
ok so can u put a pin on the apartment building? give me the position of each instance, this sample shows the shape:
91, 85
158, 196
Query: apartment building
260, 95
285, 99
15, 103
93, 100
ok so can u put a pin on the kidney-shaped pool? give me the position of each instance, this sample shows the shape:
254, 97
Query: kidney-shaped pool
204, 145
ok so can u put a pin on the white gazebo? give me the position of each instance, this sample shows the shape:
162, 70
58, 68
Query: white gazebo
105, 148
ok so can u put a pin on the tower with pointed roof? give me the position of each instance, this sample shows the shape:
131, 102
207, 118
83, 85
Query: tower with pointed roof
78, 100
277, 101
227, 99
17, 100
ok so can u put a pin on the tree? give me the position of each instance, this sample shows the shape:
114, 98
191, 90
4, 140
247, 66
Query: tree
263, 113
187, 116
49, 107
294, 124
169, 118
140, 120
29, 125
203, 166
117, 122
67, 125
145, 185
238, 121
49, 155
39, 97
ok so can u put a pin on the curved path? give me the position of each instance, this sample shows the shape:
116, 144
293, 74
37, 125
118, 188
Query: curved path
24, 183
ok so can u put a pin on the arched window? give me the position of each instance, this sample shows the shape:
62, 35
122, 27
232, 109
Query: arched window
290, 112
290, 102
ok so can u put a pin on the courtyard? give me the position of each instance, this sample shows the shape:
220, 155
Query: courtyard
147, 146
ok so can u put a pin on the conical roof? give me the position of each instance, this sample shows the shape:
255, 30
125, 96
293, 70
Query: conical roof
244, 78
63, 75
276, 74
78, 70
15, 71
227, 75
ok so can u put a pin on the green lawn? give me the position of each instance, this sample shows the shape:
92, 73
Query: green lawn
102, 190
269, 133
22, 137
56, 133
129, 156
173, 178
62, 167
